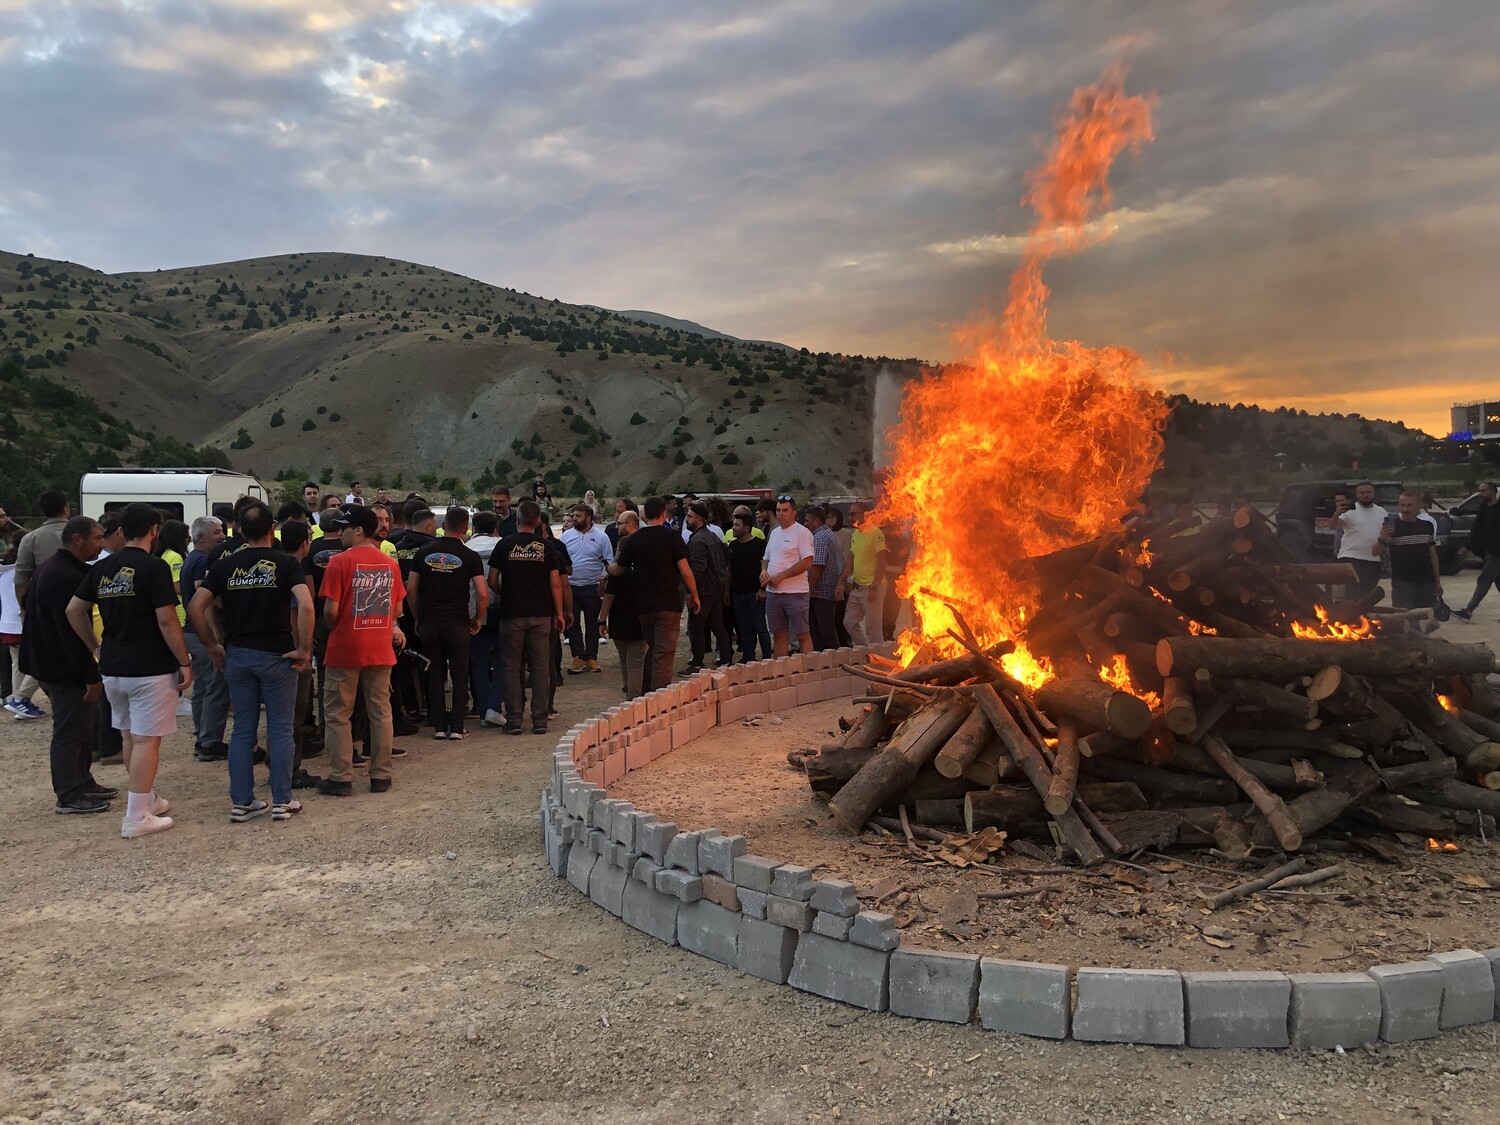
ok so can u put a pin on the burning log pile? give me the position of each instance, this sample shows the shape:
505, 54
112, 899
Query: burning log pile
1196, 690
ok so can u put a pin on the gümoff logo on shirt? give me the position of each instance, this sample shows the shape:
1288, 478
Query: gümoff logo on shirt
121, 585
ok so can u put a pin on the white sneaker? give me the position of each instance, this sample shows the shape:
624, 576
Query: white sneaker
493, 718
184, 707
161, 807
145, 826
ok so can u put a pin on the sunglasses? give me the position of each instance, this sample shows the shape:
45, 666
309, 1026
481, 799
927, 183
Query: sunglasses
785, 500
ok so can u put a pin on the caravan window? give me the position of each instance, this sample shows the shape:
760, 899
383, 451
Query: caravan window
168, 509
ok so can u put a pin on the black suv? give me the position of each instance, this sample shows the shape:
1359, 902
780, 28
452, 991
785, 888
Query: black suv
1304, 519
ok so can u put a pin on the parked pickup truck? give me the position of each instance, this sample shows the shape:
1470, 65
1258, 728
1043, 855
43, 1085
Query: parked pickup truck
1304, 519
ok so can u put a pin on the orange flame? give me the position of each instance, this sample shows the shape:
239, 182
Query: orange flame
1200, 630
1448, 704
1117, 675
1064, 435
1436, 845
1326, 630
1143, 556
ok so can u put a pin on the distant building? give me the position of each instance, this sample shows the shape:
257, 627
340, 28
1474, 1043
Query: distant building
1474, 422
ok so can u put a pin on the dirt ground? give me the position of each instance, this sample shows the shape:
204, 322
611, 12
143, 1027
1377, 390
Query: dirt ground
340, 968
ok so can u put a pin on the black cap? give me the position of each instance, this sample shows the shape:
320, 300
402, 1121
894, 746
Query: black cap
699, 509
351, 515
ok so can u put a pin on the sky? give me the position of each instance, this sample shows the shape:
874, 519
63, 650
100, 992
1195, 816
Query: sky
1316, 223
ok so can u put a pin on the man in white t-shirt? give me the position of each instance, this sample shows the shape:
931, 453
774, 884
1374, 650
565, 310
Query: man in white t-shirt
783, 575
1360, 543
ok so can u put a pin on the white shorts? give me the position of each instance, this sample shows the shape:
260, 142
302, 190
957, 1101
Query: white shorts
146, 706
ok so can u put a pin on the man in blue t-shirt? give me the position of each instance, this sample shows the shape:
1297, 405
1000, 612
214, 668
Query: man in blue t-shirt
210, 689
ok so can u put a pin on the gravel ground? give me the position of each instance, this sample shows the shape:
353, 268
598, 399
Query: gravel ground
341, 968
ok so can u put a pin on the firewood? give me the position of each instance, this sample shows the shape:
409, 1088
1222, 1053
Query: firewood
1256, 738
928, 785
1270, 805
1029, 758
894, 768
1481, 695
1191, 572
1273, 774
948, 814
1322, 807
992, 766
1457, 795
1398, 815
1269, 697
1463, 821
941, 672
1093, 703
1315, 574
1295, 657
1059, 796
1178, 709
959, 752
1163, 783
832, 767
1485, 758
869, 727
1402, 778
1341, 694
1222, 623
1022, 812
1477, 722
1102, 742
1244, 890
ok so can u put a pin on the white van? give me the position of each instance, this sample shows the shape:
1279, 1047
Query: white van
180, 494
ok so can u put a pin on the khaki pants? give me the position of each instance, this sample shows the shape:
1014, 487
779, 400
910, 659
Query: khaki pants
858, 612
632, 664
340, 686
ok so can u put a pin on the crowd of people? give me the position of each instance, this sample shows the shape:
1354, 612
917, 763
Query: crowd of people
338, 624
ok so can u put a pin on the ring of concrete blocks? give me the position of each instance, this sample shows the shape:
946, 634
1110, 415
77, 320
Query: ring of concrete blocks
700, 890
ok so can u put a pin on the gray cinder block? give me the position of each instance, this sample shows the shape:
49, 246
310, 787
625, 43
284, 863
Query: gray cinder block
718, 853
930, 985
789, 912
1334, 1010
683, 852
654, 837
622, 825
1411, 1000
709, 931
839, 970
1130, 1006
753, 903
580, 864
1237, 1009
875, 930
832, 925
791, 881
650, 911
1468, 988
1025, 996
607, 887
835, 896
753, 872
671, 881
1493, 957
644, 871
765, 949
603, 813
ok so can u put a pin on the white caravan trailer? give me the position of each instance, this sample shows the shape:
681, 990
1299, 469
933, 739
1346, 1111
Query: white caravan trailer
180, 494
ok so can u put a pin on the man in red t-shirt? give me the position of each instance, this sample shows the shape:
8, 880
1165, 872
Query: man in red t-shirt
362, 594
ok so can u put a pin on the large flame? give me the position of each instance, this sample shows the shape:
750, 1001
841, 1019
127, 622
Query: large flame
1330, 630
1027, 444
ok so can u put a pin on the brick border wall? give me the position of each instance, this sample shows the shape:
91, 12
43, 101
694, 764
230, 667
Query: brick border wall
701, 890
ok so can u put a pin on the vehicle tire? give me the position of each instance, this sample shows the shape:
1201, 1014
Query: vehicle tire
1296, 542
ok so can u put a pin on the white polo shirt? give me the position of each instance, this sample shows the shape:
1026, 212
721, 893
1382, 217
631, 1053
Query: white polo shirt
785, 548
1362, 532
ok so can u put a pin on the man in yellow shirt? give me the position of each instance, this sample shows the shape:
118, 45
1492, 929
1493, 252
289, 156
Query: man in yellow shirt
864, 566
383, 529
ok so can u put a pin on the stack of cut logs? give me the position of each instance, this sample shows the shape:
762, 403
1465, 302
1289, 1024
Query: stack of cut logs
1238, 731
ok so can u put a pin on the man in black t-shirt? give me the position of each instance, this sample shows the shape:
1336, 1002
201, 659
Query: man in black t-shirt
243, 611
407, 688
525, 576
618, 619
656, 558
1409, 542
443, 574
143, 657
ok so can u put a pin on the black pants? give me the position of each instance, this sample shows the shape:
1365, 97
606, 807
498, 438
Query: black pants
707, 623
528, 643
407, 686
446, 645
108, 742
1368, 571
822, 617
73, 725
583, 637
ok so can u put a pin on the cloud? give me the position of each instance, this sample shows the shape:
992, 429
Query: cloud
1316, 216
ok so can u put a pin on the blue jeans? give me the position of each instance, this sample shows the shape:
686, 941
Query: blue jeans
583, 637
258, 678
210, 695
750, 620
487, 670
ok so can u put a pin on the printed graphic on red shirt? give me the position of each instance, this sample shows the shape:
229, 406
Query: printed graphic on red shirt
371, 601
